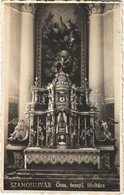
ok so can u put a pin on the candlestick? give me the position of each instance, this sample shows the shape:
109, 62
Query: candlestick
79, 122
85, 122
37, 144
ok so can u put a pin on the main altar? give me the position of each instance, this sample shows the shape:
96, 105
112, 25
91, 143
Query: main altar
63, 141
61, 125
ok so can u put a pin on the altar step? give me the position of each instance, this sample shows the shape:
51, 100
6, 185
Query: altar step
71, 180
59, 173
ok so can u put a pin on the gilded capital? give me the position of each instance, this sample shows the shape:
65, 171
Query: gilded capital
28, 7
117, 5
96, 8
111, 6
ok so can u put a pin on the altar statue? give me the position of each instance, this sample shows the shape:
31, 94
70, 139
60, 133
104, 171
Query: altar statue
21, 132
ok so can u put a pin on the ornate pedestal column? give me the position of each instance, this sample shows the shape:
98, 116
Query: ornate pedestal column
27, 56
96, 66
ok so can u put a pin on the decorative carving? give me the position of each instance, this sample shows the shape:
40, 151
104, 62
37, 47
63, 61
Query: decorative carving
116, 5
105, 161
28, 7
36, 82
61, 79
103, 130
16, 6
108, 6
18, 160
96, 8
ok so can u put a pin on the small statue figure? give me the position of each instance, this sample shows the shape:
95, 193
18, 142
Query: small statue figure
73, 140
32, 134
50, 136
86, 138
43, 99
73, 100
19, 132
102, 130
51, 99
41, 129
83, 138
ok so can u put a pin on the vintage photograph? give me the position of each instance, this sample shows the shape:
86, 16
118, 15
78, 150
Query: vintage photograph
61, 72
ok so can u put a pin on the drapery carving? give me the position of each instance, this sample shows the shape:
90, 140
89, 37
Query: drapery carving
67, 156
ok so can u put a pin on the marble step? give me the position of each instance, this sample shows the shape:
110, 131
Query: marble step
59, 173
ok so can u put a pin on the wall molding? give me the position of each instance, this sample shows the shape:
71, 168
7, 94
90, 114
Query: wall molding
94, 8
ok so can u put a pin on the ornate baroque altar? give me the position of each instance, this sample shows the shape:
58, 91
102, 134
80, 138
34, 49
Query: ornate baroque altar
61, 126
62, 140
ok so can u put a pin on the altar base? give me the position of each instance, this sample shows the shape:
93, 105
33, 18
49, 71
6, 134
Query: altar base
51, 180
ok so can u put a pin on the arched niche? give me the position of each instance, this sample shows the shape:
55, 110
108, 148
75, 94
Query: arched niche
61, 30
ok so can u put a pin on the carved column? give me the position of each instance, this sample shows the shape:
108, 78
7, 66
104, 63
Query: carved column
96, 66
32, 132
37, 143
78, 144
27, 56
108, 60
6, 65
92, 116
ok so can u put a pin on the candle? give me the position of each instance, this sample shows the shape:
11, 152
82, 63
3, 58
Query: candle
79, 122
